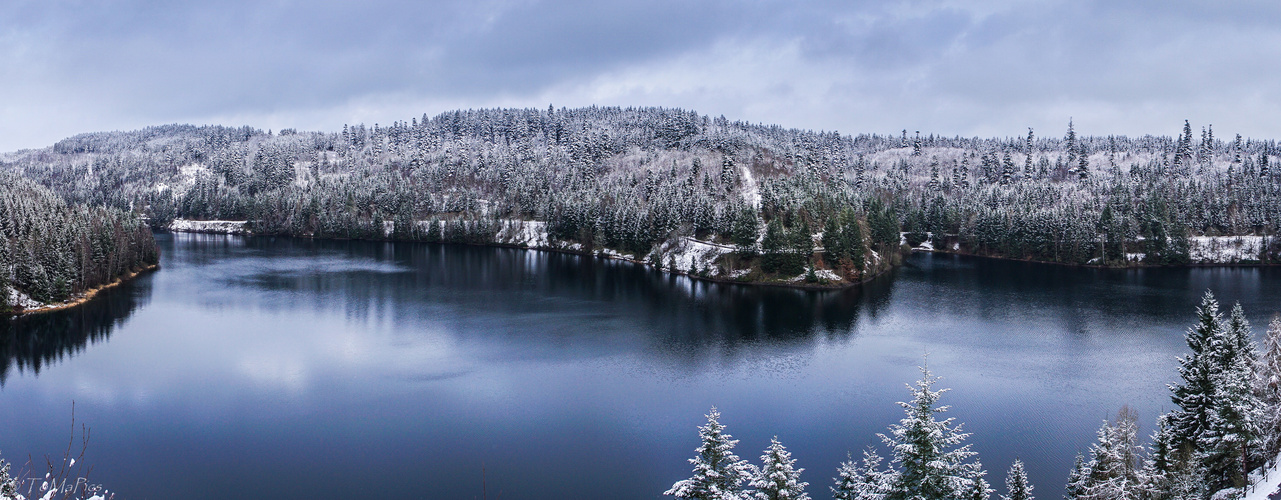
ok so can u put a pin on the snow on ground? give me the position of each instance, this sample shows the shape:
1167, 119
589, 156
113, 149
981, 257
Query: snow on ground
526, 233
751, 192
1226, 249
1267, 486
19, 299
927, 245
682, 255
209, 226
826, 274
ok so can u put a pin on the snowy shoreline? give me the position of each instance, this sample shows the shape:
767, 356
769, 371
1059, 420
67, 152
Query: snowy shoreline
687, 253
1204, 251
25, 305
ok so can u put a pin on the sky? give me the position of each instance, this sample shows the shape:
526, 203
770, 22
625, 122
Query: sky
973, 68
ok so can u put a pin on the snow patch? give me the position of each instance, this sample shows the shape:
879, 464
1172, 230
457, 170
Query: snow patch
526, 233
751, 191
209, 226
19, 299
1226, 249
1266, 483
686, 255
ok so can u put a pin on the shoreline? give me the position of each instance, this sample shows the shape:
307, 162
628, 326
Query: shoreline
844, 284
1136, 265
86, 295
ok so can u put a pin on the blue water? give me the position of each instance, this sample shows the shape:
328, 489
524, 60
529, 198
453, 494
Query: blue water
281, 368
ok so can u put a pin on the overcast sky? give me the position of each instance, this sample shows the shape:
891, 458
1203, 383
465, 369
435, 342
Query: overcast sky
951, 68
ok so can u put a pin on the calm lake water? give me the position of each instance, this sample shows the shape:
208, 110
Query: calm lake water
285, 368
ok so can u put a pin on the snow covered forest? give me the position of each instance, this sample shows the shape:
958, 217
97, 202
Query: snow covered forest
1221, 441
694, 194
52, 250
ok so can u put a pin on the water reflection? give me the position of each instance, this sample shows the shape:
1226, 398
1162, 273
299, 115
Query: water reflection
297, 368
29, 343
414, 282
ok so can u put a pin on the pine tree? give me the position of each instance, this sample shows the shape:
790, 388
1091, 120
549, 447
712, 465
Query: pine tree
1078, 479
1267, 387
1186, 479
1234, 419
729, 174
1114, 472
1016, 484
778, 479
833, 240
933, 464
1191, 419
773, 247
1234, 411
8, 484
747, 228
1070, 145
1157, 466
718, 473
863, 482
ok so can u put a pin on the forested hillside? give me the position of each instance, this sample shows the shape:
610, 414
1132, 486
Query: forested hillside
697, 194
51, 251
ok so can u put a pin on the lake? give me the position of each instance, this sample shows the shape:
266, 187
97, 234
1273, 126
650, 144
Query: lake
282, 368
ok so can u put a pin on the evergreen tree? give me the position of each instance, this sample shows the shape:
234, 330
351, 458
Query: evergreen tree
729, 174
933, 463
1234, 418
833, 241
1078, 479
1193, 396
1186, 479
8, 484
778, 479
747, 228
1157, 467
773, 247
718, 473
863, 482
1267, 387
1114, 472
1016, 484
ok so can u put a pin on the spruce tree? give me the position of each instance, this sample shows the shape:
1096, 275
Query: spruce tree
932, 461
8, 484
1078, 479
1267, 387
1191, 419
778, 479
833, 241
1016, 484
773, 246
1156, 473
863, 482
718, 473
1233, 427
746, 230
1186, 479
1114, 472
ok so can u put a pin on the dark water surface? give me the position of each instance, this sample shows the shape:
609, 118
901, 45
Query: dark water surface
283, 368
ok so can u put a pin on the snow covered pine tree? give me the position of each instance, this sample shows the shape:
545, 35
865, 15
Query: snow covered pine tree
778, 479
718, 473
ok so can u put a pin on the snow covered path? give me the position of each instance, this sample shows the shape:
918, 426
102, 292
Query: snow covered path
1265, 488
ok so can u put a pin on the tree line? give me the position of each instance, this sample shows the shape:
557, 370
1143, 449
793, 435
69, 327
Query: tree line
1225, 429
51, 250
630, 179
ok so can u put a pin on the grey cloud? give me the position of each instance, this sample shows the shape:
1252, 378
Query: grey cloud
955, 67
